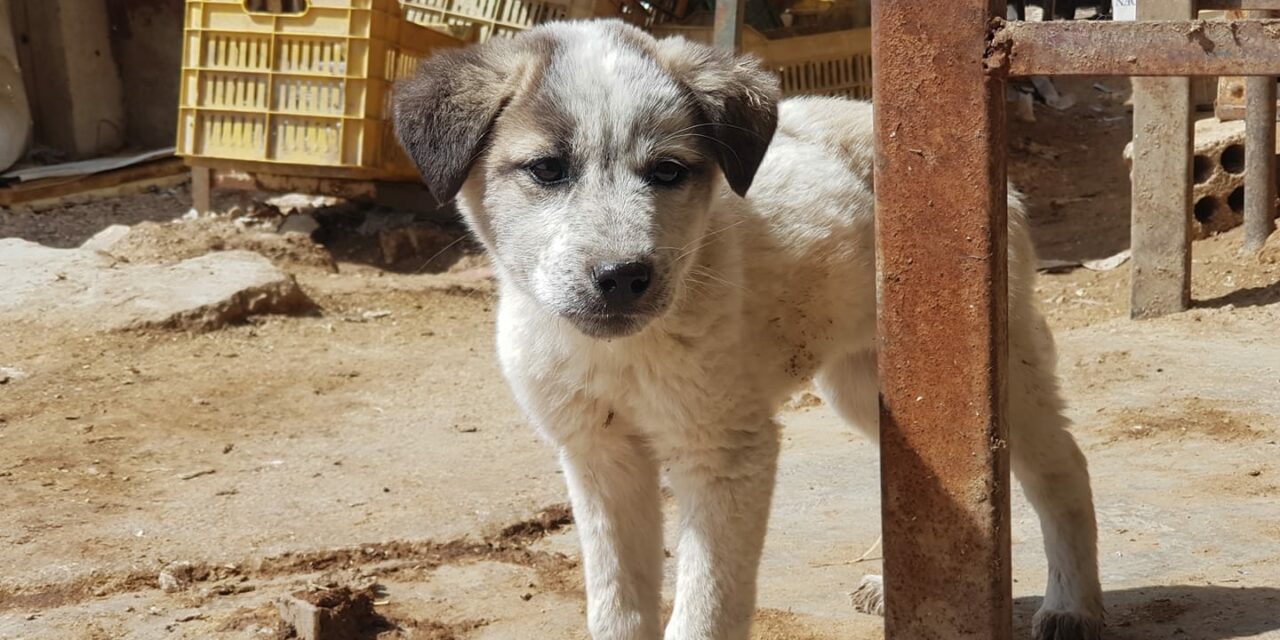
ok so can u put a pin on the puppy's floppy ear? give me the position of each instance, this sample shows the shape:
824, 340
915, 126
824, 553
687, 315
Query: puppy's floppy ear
738, 99
444, 113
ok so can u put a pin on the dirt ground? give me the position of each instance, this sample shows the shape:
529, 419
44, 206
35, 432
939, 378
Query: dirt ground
374, 442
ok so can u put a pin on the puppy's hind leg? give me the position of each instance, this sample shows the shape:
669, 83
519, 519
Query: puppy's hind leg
1055, 477
850, 385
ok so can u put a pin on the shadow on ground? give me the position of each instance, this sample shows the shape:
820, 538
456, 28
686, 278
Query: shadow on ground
1180, 611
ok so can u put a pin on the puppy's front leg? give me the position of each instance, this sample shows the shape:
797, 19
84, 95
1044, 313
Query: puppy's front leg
613, 483
724, 486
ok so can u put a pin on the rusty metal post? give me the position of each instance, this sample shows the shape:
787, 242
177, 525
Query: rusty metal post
1259, 157
727, 34
1163, 127
941, 240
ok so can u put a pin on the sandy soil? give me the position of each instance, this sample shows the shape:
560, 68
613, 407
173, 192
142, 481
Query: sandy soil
374, 442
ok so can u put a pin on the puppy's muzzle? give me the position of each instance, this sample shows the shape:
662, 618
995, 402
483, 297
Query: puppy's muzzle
622, 285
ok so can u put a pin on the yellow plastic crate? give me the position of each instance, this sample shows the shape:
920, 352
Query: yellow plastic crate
827, 64
479, 20
302, 93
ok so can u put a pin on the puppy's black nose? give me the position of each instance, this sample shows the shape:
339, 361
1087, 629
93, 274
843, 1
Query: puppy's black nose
621, 284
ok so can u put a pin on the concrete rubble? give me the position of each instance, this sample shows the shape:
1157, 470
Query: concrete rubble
332, 614
1218, 195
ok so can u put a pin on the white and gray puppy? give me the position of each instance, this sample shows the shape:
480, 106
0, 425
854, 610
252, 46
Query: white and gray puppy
676, 254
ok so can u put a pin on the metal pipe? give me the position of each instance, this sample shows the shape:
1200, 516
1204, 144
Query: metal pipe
1144, 48
1259, 158
727, 33
941, 238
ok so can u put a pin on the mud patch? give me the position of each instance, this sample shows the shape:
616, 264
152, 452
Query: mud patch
774, 624
1193, 418
433, 630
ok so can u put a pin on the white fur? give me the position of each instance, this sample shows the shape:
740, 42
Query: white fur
784, 293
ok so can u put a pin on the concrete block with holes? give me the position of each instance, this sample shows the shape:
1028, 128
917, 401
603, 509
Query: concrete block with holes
1218, 194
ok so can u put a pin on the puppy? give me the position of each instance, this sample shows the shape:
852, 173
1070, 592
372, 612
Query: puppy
676, 254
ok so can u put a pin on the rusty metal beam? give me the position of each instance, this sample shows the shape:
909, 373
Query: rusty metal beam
941, 244
727, 33
1259, 158
1228, 5
1160, 225
1145, 48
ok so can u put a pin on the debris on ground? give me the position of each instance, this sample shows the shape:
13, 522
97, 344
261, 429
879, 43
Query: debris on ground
178, 576
165, 243
90, 290
303, 223
332, 614
106, 239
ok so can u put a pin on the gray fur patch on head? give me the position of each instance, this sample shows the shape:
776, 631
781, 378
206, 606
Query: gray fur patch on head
444, 114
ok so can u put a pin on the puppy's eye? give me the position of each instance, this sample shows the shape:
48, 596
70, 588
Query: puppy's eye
667, 173
548, 170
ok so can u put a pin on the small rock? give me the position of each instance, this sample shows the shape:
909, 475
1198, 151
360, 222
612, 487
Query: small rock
303, 223
11, 374
291, 202
177, 576
332, 614
1270, 252
106, 239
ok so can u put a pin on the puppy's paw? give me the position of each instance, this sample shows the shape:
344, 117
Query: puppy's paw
869, 596
1066, 625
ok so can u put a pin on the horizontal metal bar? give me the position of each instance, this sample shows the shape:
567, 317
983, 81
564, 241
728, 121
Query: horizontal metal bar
1229, 5
1155, 48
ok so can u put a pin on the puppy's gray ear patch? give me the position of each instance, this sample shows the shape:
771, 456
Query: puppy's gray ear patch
444, 113
738, 99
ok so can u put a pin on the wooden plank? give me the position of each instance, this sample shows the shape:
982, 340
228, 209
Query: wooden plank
53, 189
202, 190
1162, 183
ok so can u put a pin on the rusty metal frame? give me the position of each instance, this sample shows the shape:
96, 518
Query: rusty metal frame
941, 217
1171, 47
940, 191
1227, 5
